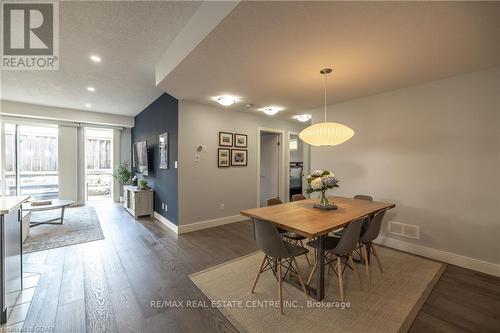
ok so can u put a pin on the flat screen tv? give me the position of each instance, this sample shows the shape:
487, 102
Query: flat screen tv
141, 155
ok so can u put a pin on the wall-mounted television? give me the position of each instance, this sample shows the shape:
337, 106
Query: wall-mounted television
141, 157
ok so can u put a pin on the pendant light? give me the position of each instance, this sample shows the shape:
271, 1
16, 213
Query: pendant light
326, 134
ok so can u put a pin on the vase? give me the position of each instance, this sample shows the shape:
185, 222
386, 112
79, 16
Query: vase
323, 200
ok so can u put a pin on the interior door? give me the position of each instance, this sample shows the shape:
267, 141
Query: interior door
269, 167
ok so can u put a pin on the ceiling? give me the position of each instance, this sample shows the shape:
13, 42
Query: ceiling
128, 36
270, 53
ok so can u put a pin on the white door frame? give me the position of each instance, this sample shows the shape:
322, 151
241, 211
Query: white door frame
281, 165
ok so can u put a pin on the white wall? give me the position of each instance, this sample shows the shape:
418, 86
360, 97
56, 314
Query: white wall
203, 187
434, 151
67, 162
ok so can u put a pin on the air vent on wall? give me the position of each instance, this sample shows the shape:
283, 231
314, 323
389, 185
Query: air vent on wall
405, 230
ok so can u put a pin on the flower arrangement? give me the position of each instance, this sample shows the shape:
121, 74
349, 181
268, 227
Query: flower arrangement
321, 181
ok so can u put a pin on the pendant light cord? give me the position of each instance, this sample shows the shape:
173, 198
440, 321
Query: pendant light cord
326, 77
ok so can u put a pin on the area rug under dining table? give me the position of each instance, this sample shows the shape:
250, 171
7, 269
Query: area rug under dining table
390, 305
81, 225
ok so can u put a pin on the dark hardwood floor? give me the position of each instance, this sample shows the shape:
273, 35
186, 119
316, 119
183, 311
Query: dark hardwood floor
110, 285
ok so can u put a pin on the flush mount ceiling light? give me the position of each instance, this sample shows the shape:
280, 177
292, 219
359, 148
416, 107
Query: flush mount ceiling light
302, 117
226, 100
270, 110
88, 105
90, 88
326, 134
95, 58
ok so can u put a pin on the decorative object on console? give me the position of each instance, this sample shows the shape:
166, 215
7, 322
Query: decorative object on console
143, 184
240, 140
163, 142
223, 158
321, 181
239, 157
225, 139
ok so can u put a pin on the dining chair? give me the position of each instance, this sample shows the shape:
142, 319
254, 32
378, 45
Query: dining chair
366, 242
339, 250
359, 197
297, 197
290, 236
363, 197
278, 255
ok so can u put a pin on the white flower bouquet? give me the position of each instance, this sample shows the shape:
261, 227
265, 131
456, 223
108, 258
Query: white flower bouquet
321, 181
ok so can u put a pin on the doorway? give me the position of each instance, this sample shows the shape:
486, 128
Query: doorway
98, 164
270, 166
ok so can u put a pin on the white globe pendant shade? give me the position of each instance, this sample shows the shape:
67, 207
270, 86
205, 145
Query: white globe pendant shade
326, 134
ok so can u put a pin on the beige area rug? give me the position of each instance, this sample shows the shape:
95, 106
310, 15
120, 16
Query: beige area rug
389, 306
81, 225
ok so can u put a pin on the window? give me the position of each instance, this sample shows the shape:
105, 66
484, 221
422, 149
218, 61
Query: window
294, 144
31, 166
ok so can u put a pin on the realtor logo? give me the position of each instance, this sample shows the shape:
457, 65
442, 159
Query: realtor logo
30, 35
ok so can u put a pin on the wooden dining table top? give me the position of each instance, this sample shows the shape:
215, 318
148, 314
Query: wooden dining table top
302, 218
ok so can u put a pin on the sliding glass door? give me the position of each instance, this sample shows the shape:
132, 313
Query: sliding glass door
98, 163
30, 164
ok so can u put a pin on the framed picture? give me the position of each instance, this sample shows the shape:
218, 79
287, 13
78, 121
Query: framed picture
225, 139
163, 143
223, 159
239, 157
240, 140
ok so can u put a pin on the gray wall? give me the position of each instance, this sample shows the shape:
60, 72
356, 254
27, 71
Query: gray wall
433, 150
203, 187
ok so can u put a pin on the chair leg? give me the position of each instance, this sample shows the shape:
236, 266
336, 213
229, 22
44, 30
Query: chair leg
307, 258
258, 273
341, 279
300, 277
355, 271
280, 286
376, 257
367, 265
312, 272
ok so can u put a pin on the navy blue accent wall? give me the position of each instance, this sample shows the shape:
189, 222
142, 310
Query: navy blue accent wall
159, 117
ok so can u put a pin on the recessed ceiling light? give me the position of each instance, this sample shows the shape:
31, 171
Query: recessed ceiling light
88, 105
302, 117
95, 58
226, 100
271, 110
90, 88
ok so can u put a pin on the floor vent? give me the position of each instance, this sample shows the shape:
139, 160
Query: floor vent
405, 230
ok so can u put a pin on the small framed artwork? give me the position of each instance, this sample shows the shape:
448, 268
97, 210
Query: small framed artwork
223, 159
239, 157
163, 143
240, 140
225, 139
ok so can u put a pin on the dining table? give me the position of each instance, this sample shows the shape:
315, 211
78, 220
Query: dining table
302, 218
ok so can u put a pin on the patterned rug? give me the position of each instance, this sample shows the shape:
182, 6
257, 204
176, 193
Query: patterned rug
390, 305
81, 225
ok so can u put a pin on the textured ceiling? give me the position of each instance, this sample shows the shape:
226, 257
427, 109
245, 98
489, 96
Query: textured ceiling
270, 53
129, 37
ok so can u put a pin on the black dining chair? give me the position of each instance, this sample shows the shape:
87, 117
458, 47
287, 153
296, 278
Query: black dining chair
366, 245
339, 250
290, 236
278, 255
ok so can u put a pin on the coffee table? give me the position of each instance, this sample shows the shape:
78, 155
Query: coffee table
56, 204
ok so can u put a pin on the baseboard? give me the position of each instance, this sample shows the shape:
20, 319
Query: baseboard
166, 222
447, 257
210, 223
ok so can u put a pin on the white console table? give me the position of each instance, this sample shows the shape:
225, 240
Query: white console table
138, 202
